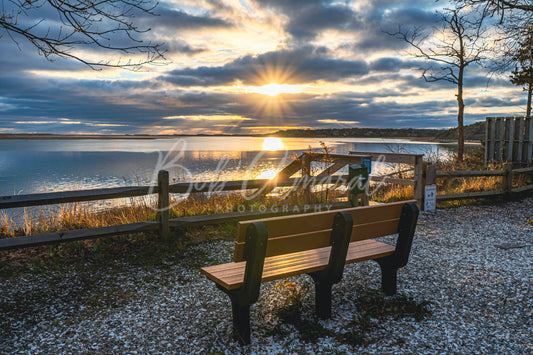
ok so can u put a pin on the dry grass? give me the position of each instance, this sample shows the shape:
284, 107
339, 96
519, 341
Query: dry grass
474, 161
392, 192
71, 216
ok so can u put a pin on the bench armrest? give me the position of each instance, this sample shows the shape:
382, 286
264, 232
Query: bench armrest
254, 254
406, 231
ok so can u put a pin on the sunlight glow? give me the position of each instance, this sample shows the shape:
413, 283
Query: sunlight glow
273, 144
208, 118
329, 121
267, 174
275, 89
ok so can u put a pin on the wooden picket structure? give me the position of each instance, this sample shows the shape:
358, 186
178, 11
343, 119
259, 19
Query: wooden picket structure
509, 139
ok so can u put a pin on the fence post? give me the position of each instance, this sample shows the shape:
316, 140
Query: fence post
431, 174
419, 184
509, 138
306, 177
508, 180
528, 121
163, 209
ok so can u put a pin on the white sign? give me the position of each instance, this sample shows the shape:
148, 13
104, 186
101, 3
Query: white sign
430, 198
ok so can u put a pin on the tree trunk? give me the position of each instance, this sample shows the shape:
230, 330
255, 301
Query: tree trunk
460, 117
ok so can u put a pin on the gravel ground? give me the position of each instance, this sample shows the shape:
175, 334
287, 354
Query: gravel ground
480, 294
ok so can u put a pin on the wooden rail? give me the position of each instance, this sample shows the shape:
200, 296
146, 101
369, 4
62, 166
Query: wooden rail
507, 175
52, 198
470, 173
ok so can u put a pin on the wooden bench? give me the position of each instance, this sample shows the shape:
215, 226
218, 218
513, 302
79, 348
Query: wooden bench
318, 244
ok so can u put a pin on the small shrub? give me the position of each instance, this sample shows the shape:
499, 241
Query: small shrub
310, 330
291, 310
374, 304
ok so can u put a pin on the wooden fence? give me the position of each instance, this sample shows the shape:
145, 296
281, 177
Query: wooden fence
164, 224
163, 189
509, 139
507, 182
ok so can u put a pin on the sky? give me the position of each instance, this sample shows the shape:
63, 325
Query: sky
248, 67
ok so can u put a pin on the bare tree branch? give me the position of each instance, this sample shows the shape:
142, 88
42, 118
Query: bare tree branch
60, 27
458, 43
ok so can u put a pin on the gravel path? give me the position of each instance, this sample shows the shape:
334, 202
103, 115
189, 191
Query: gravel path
481, 299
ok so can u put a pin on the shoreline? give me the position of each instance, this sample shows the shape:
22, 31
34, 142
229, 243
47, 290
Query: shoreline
147, 136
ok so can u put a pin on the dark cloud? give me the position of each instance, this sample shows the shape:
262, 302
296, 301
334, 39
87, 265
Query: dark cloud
288, 66
497, 101
392, 64
306, 18
381, 20
175, 19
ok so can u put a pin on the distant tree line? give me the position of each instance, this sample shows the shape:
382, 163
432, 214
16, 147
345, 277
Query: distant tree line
474, 131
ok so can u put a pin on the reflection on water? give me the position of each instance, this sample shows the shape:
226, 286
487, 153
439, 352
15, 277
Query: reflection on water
32, 166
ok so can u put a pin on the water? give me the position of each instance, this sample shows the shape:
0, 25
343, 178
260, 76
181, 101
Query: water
34, 165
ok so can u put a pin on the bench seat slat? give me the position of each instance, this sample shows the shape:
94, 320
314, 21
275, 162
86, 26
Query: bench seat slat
231, 275
282, 261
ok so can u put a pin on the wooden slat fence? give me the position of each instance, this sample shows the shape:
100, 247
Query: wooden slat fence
509, 139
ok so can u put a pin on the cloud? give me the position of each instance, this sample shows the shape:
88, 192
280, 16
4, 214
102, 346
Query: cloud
306, 18
289, 66
345, 70
171, 19
393, 64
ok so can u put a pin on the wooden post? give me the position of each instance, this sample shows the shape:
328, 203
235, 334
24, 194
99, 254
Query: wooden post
519, 136
491, 126
431, 174
487, 139
508, 180
163, 207
428, 178
509, 142
528, 148
419, 185
500, 128
306, 177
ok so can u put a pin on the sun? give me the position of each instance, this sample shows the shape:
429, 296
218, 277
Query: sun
274, 89
273, 144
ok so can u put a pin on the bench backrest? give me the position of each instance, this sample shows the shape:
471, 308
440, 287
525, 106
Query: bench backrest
290, 234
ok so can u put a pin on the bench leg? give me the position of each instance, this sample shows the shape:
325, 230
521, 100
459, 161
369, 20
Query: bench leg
322, 296
388, 276
323, 299
241, 322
